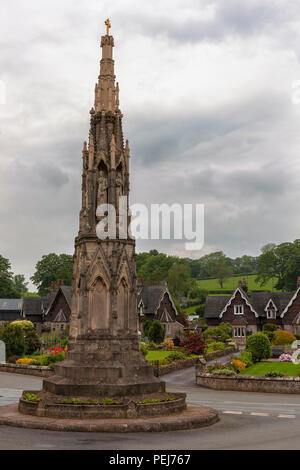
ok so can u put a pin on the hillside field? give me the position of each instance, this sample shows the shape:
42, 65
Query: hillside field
232, 283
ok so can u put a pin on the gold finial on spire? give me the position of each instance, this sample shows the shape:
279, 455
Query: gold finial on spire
108, 26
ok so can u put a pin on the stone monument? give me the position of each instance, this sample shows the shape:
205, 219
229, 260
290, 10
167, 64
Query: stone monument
104, 358
104, 375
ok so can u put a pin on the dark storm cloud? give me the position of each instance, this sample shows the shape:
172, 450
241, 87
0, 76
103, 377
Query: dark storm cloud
238, 155
230, 17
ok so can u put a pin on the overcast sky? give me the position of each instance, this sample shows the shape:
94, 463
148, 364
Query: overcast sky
206, 89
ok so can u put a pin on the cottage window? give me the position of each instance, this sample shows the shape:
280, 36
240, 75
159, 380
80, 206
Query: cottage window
239, 332
238, 309
271, 313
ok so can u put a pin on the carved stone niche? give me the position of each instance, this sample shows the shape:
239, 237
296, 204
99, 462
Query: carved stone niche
99, 304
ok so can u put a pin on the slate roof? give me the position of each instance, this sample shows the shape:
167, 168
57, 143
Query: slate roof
35, 305
258, 300
11, 304
10, 309
151, 296
39, 305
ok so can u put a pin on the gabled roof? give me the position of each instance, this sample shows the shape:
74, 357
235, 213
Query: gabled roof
151, 297
293, 297
66, 291
244, 296
35, 305
165, 317
258, 301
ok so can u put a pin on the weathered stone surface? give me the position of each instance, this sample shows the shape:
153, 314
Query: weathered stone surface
249, 383
193, 417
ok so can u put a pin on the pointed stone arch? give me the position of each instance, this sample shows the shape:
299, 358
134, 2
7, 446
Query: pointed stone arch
99, 304
123, 305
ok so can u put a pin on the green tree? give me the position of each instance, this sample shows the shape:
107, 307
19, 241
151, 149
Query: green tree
259, 346
14, 339
51, 268
179, 279
20, 283
281, 262
8, 289
156, 332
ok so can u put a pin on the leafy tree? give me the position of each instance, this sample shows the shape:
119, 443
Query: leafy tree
14, 339
20, 283
198, 293
281, 262
51, 268
156, 332
8, 289
259, 346
179, 280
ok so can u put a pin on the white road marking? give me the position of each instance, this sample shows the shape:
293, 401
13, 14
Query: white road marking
233, 412
259, 414
286, 416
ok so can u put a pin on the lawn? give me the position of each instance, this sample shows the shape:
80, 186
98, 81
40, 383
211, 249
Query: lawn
261, 368
232, 282
157, 355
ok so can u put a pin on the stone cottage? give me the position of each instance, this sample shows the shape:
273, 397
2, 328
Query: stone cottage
154, 302
249, 311
50, 313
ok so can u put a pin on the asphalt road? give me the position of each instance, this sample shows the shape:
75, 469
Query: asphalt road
248, 421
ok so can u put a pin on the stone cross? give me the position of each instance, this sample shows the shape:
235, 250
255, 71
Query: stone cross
2, 352
108, 26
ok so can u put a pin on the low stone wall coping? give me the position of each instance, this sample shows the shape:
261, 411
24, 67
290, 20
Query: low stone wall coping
26, 369
248, 383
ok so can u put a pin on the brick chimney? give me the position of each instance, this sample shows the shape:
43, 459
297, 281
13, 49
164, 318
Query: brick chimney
140, 282
298, 282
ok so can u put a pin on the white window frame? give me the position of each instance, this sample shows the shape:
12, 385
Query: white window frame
239, 332
238, 309
271, 313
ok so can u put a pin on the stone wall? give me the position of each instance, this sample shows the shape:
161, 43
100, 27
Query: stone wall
39, 371
44, 371
184, 364
248, 383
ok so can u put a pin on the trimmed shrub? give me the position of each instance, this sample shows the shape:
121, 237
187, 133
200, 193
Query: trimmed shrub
13, 337
270, 335
246, 357
283, 338
32, 342
259, 346
238, 365
269, 327
156, 332
215, 346
193, 344
176, 356
26, 325
274, 374
224, 372
146, 327
144, 349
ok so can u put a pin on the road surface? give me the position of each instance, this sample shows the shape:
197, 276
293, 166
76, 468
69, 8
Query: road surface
248, 421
